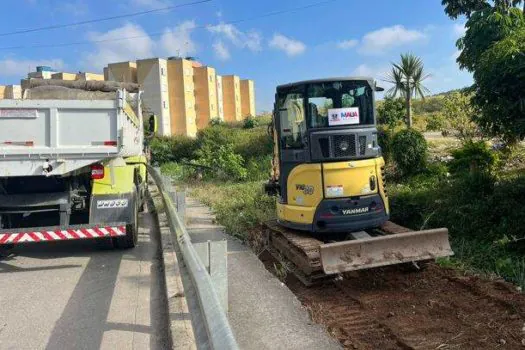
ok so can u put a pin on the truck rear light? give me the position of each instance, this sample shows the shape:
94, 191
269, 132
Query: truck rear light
110, 143
97, 171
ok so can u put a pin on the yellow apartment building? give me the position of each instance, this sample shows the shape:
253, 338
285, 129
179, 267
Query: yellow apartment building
90, 76
220, 100
205, 95
231, 95
10, 92
152, 75
181, 97
247, 98
64, 76
124, 72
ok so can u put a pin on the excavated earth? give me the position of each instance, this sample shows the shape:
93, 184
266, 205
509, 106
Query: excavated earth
399, 307
437, 308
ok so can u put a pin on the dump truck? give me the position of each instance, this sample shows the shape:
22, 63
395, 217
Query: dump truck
72, 164
328, 176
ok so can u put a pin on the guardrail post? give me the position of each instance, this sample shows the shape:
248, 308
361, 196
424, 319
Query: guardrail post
213, 255
181, 205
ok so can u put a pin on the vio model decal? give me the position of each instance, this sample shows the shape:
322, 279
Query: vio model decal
307, 189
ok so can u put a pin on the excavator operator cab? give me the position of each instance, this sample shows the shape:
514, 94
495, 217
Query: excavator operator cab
326, 153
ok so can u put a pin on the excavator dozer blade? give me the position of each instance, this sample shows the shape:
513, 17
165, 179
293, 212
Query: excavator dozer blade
370, 252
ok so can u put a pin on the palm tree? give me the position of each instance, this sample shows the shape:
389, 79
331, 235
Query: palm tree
407, 78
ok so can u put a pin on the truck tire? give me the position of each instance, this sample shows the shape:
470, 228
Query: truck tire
132, 228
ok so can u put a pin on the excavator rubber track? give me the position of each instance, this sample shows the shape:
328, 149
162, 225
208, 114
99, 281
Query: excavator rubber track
312, 259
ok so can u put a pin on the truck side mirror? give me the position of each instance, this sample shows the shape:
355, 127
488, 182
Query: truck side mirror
152, 124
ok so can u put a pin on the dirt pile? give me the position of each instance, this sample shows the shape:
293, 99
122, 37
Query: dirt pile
437, 308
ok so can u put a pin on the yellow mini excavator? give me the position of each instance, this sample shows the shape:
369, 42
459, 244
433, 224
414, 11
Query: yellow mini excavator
329, 178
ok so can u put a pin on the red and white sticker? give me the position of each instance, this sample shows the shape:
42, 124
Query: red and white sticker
343, 116
61, 235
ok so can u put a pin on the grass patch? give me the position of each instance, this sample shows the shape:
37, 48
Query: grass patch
482, 218
239, 207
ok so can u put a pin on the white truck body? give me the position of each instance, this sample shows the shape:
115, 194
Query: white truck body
67, 134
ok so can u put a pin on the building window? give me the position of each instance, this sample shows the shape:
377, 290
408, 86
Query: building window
212, 107
164, 105
211, 79
162, 72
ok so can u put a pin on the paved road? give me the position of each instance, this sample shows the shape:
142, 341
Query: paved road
82, 295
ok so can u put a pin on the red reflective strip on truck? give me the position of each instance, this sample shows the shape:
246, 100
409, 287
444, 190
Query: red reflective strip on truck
61, 235
34, 237
73, 233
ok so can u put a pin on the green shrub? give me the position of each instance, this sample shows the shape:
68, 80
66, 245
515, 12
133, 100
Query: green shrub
384, 139
391, 112
250, 123
258, 169
409, 150
474, 157
216, 121
436, 122
172, 149
178, 172
222, 162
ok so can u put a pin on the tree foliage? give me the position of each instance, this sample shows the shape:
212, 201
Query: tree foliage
493, 48
500, 87
457, 8
484, 28
407, 76
391, 111
460, 113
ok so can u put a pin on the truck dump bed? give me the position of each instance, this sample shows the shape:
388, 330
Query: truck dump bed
67, 134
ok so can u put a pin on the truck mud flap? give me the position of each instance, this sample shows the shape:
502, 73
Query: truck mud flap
47, 234
370, 252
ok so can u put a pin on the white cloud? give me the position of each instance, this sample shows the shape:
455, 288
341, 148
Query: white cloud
221, 51
250, 40
347, 44
19, 68
381, 40
290, 46
109, 50
376, 72
178, 41
152, 4
459, 29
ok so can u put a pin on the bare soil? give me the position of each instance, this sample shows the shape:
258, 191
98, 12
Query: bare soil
437, 308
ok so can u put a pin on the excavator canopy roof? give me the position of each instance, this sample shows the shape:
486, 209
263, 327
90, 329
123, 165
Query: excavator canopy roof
370, 81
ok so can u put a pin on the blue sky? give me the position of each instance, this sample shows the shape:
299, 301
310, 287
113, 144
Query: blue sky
339, 38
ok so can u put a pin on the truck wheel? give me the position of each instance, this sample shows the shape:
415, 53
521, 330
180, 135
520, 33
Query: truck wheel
142, 199
132, 229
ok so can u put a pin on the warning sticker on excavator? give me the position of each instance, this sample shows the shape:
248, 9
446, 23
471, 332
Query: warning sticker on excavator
343, 116
334, 191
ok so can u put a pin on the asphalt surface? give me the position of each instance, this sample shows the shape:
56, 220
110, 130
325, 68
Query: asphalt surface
85, 295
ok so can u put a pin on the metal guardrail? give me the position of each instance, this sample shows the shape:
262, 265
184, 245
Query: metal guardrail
220, 335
